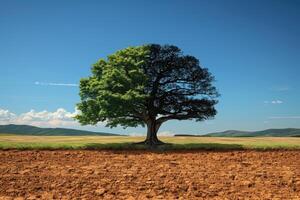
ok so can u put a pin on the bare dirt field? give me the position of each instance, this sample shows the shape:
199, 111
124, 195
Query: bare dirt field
149, 175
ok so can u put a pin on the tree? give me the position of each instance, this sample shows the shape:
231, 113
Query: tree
147, 85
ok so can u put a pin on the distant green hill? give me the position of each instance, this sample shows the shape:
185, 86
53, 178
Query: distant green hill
32, 130
287, 132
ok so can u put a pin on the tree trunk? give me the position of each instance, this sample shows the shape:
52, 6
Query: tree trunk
152, 128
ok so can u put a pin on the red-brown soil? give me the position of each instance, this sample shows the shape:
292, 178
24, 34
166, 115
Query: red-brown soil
145, 175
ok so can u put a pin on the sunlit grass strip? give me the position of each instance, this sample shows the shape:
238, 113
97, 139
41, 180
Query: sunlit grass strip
125, 142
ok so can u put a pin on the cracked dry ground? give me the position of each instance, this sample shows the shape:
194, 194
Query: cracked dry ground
147, 175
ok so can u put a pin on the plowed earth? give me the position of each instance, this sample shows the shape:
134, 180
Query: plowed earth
145, 175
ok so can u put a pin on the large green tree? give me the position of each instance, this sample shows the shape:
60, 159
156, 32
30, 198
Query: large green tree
147, 85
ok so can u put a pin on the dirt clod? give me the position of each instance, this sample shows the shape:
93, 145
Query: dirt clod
100, 191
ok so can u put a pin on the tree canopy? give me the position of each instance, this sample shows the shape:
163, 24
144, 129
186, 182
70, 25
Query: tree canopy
147, 85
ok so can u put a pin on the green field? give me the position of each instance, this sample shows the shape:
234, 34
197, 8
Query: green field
125, 142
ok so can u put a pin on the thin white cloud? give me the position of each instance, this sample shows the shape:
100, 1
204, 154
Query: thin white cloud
273, 102
277, 102
281, 88
56, 84
285, 117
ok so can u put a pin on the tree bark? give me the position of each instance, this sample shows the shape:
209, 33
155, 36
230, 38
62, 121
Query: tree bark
152, 129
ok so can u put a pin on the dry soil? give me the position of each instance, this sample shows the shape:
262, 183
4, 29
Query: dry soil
149, 175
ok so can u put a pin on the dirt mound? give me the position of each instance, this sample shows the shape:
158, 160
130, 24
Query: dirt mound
146, 175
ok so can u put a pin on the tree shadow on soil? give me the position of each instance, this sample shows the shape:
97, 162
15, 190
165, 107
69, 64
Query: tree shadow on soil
164, 147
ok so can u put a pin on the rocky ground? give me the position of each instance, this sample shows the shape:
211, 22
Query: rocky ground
145, 175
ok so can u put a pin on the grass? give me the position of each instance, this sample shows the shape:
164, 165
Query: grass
121, 142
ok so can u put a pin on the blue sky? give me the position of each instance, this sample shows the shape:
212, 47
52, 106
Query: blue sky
252, 48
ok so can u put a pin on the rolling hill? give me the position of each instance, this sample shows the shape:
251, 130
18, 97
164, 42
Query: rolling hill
33, 130
287, 132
